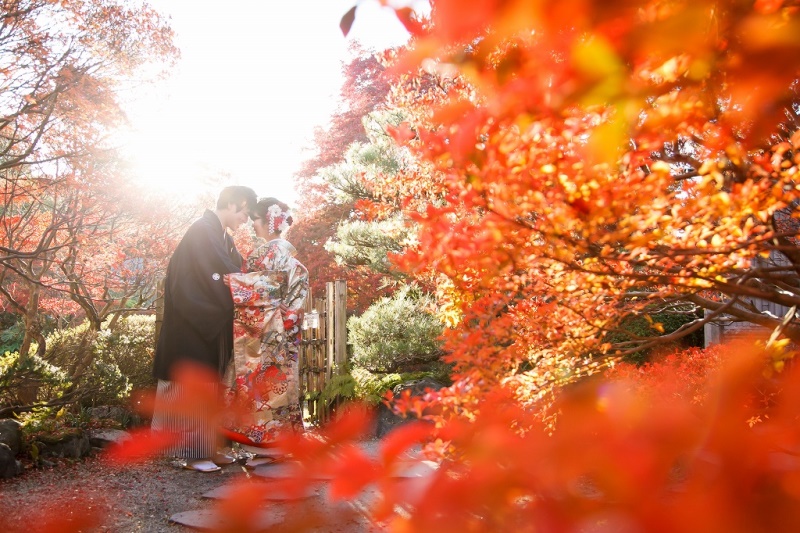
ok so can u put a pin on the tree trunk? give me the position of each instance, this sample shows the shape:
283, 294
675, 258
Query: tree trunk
33, 326
33, 332
85, 354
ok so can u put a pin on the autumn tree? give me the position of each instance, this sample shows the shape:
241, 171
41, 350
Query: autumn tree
118, 253
321, 207
592, 161
63, 65
375, 230
364, 88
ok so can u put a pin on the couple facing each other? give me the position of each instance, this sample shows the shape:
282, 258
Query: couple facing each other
238, 319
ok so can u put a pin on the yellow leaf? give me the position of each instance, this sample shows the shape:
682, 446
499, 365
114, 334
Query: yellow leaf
660, 166
706, 167
699, 69
548, 169
596, 56
606, 142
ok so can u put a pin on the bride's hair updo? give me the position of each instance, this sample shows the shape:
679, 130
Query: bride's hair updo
274, 212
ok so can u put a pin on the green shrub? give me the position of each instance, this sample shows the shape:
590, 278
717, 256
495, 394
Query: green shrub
13, 331
82, 367
107, 364
76, 352
51, 423
31, 380
131, 346
639, 326
364, 386
104, 384
67, 348
396, 333
371, 387
339, 387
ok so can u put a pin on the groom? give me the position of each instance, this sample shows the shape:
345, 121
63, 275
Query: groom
197, 327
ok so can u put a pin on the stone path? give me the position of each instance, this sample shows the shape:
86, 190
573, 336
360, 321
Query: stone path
267, 508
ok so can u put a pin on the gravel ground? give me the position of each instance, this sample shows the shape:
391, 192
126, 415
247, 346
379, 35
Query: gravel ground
92, 495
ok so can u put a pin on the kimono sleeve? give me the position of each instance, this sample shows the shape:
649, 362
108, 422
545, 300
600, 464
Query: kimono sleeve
297, 291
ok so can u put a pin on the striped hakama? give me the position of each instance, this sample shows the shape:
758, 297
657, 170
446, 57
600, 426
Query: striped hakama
198, 432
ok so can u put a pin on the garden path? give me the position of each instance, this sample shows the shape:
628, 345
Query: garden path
154, 496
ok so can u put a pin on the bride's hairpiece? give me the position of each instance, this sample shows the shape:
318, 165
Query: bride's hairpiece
278, 219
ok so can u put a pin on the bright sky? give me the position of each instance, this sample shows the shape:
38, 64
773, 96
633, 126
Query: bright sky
253, 82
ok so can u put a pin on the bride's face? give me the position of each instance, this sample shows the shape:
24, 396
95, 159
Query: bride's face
260, 227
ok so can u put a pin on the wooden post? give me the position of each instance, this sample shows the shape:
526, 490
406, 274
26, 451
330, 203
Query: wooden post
304, 358
320, 350
340, 325
330, 326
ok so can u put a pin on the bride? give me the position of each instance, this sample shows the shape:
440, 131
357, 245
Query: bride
263, 380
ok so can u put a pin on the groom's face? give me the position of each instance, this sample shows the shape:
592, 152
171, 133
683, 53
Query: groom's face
238, 215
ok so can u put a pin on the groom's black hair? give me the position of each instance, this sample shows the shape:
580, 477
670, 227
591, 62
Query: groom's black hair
236, 194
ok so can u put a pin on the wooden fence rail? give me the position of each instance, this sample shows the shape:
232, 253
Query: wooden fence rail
323, 348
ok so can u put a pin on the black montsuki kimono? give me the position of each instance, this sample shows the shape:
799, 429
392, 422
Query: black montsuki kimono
198, 309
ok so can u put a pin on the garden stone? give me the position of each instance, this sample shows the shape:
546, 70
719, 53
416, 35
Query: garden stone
74, 445
215, 520
101, 438
116, 413
11, 434
9, 466
387, 420
417, 386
